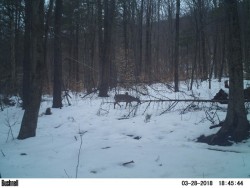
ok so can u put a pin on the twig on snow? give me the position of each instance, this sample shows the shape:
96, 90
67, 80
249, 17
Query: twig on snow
127, 163
10, 125
66, 173
2, 153
79, 152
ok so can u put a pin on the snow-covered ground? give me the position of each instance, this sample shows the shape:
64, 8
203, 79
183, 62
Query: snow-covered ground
149, 143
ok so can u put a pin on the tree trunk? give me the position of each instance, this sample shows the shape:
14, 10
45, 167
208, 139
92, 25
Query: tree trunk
57, 99
103, 87
89, 48
170, 41
46, 33
35, 58
139, 65
236, 126
176, 65
246, 5
194, 64
26, 58
148, 45
12, 51
157, 48
202, 35
125, 30
223, 59
105, 56
76, 55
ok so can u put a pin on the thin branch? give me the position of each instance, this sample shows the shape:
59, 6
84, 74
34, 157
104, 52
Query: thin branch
185, 100
78, 158
187, 108
127, 163
146, 108
214, 149
215, 126
189, 100
2, 153
8, 124
79, 152
171, 106
134, 109
209, 117
66, 173
94, 91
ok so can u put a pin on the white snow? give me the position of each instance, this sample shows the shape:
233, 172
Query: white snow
160, 146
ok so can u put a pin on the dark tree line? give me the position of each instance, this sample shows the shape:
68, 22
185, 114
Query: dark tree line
88, 45
142, 39
133, 40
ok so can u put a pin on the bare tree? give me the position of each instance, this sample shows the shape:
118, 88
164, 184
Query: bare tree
140, 64
48, 18
236, 126
177, 33
89, 46
57, 99
34, 12
105, 45
148, 41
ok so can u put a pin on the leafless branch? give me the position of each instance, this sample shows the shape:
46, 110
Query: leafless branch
170, 107
10, 125
66, 173
146, 108
79, 152
2, 153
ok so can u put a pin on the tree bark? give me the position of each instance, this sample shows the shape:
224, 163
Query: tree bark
170, 41
35, 59
203, 42
46, 33
139, 65
89, 48
148, 40
12, 49
76, 55
26, 58
57, 99
246, 5
176, 65
105, 50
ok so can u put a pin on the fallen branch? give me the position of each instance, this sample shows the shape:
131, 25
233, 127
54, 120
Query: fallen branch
188, 100
66, 173
127, 163
209, 117
184, 100
94, 91
2, 153
122, 118
79, 152
215, 126
10, 125
223, 150
108, 147
146, 108
134, 109
171, 106
58, 126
